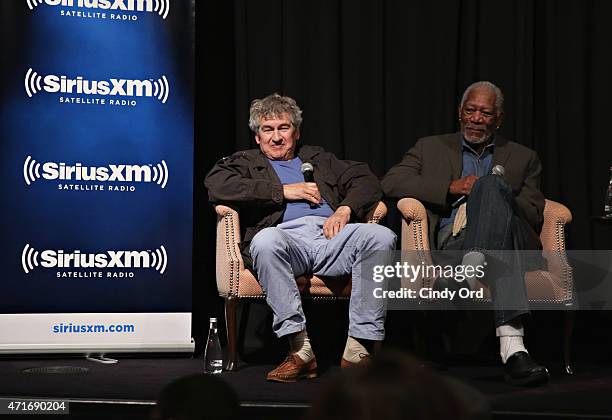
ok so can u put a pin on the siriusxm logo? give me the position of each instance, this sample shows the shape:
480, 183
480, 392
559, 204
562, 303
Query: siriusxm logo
161, 7
52, 171
32, 259
51, 83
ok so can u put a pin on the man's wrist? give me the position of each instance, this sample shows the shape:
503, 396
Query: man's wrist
280, 196
345, 210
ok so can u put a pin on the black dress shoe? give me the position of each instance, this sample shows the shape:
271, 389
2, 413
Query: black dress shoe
521, 369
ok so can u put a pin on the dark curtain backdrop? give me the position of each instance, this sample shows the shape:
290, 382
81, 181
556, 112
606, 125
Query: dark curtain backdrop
374, 76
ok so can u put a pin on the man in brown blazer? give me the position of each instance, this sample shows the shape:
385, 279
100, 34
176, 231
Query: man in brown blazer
451, 175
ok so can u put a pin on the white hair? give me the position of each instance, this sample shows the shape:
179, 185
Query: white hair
499, 96
274, 106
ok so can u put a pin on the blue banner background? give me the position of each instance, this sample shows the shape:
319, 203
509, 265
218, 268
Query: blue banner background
96, 135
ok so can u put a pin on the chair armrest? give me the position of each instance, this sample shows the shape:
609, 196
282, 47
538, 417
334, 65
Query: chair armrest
223, 210
377, 214
229, 261
415, 229
556, 216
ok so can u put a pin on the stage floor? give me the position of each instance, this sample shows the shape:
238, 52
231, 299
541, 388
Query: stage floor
129, 388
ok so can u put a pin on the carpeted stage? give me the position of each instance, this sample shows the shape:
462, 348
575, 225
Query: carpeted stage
128, 389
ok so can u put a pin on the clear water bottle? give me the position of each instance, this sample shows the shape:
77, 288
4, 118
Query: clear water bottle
213, 358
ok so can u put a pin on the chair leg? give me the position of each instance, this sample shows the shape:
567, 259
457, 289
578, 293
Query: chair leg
568, 329
231, 314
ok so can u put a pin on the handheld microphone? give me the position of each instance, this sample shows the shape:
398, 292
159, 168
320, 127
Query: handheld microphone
497, 170
308, 171
458, 201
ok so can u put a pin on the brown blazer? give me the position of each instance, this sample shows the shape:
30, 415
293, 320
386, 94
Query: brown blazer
428, 168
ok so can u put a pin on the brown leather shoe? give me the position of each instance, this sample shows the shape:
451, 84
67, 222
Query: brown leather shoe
365, 359
292, 369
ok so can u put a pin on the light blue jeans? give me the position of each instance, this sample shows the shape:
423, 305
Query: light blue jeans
298, 247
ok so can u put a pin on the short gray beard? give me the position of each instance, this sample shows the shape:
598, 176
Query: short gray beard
480, 140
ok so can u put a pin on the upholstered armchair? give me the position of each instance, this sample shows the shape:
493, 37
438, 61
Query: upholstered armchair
554, 286
235, 283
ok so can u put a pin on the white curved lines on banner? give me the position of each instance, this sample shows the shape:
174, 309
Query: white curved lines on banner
167, 89
162, 89
31, 170
29, 258
161, 174
160, 259
166, 173
32, 82
154, 258
165, 260
33, 3
162, 7
26, 82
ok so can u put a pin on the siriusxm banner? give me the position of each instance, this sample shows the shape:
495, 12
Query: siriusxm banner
96, 131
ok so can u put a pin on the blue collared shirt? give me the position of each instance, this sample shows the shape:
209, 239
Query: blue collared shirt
473, 164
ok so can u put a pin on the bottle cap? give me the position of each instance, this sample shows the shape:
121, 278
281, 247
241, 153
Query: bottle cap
213, 319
